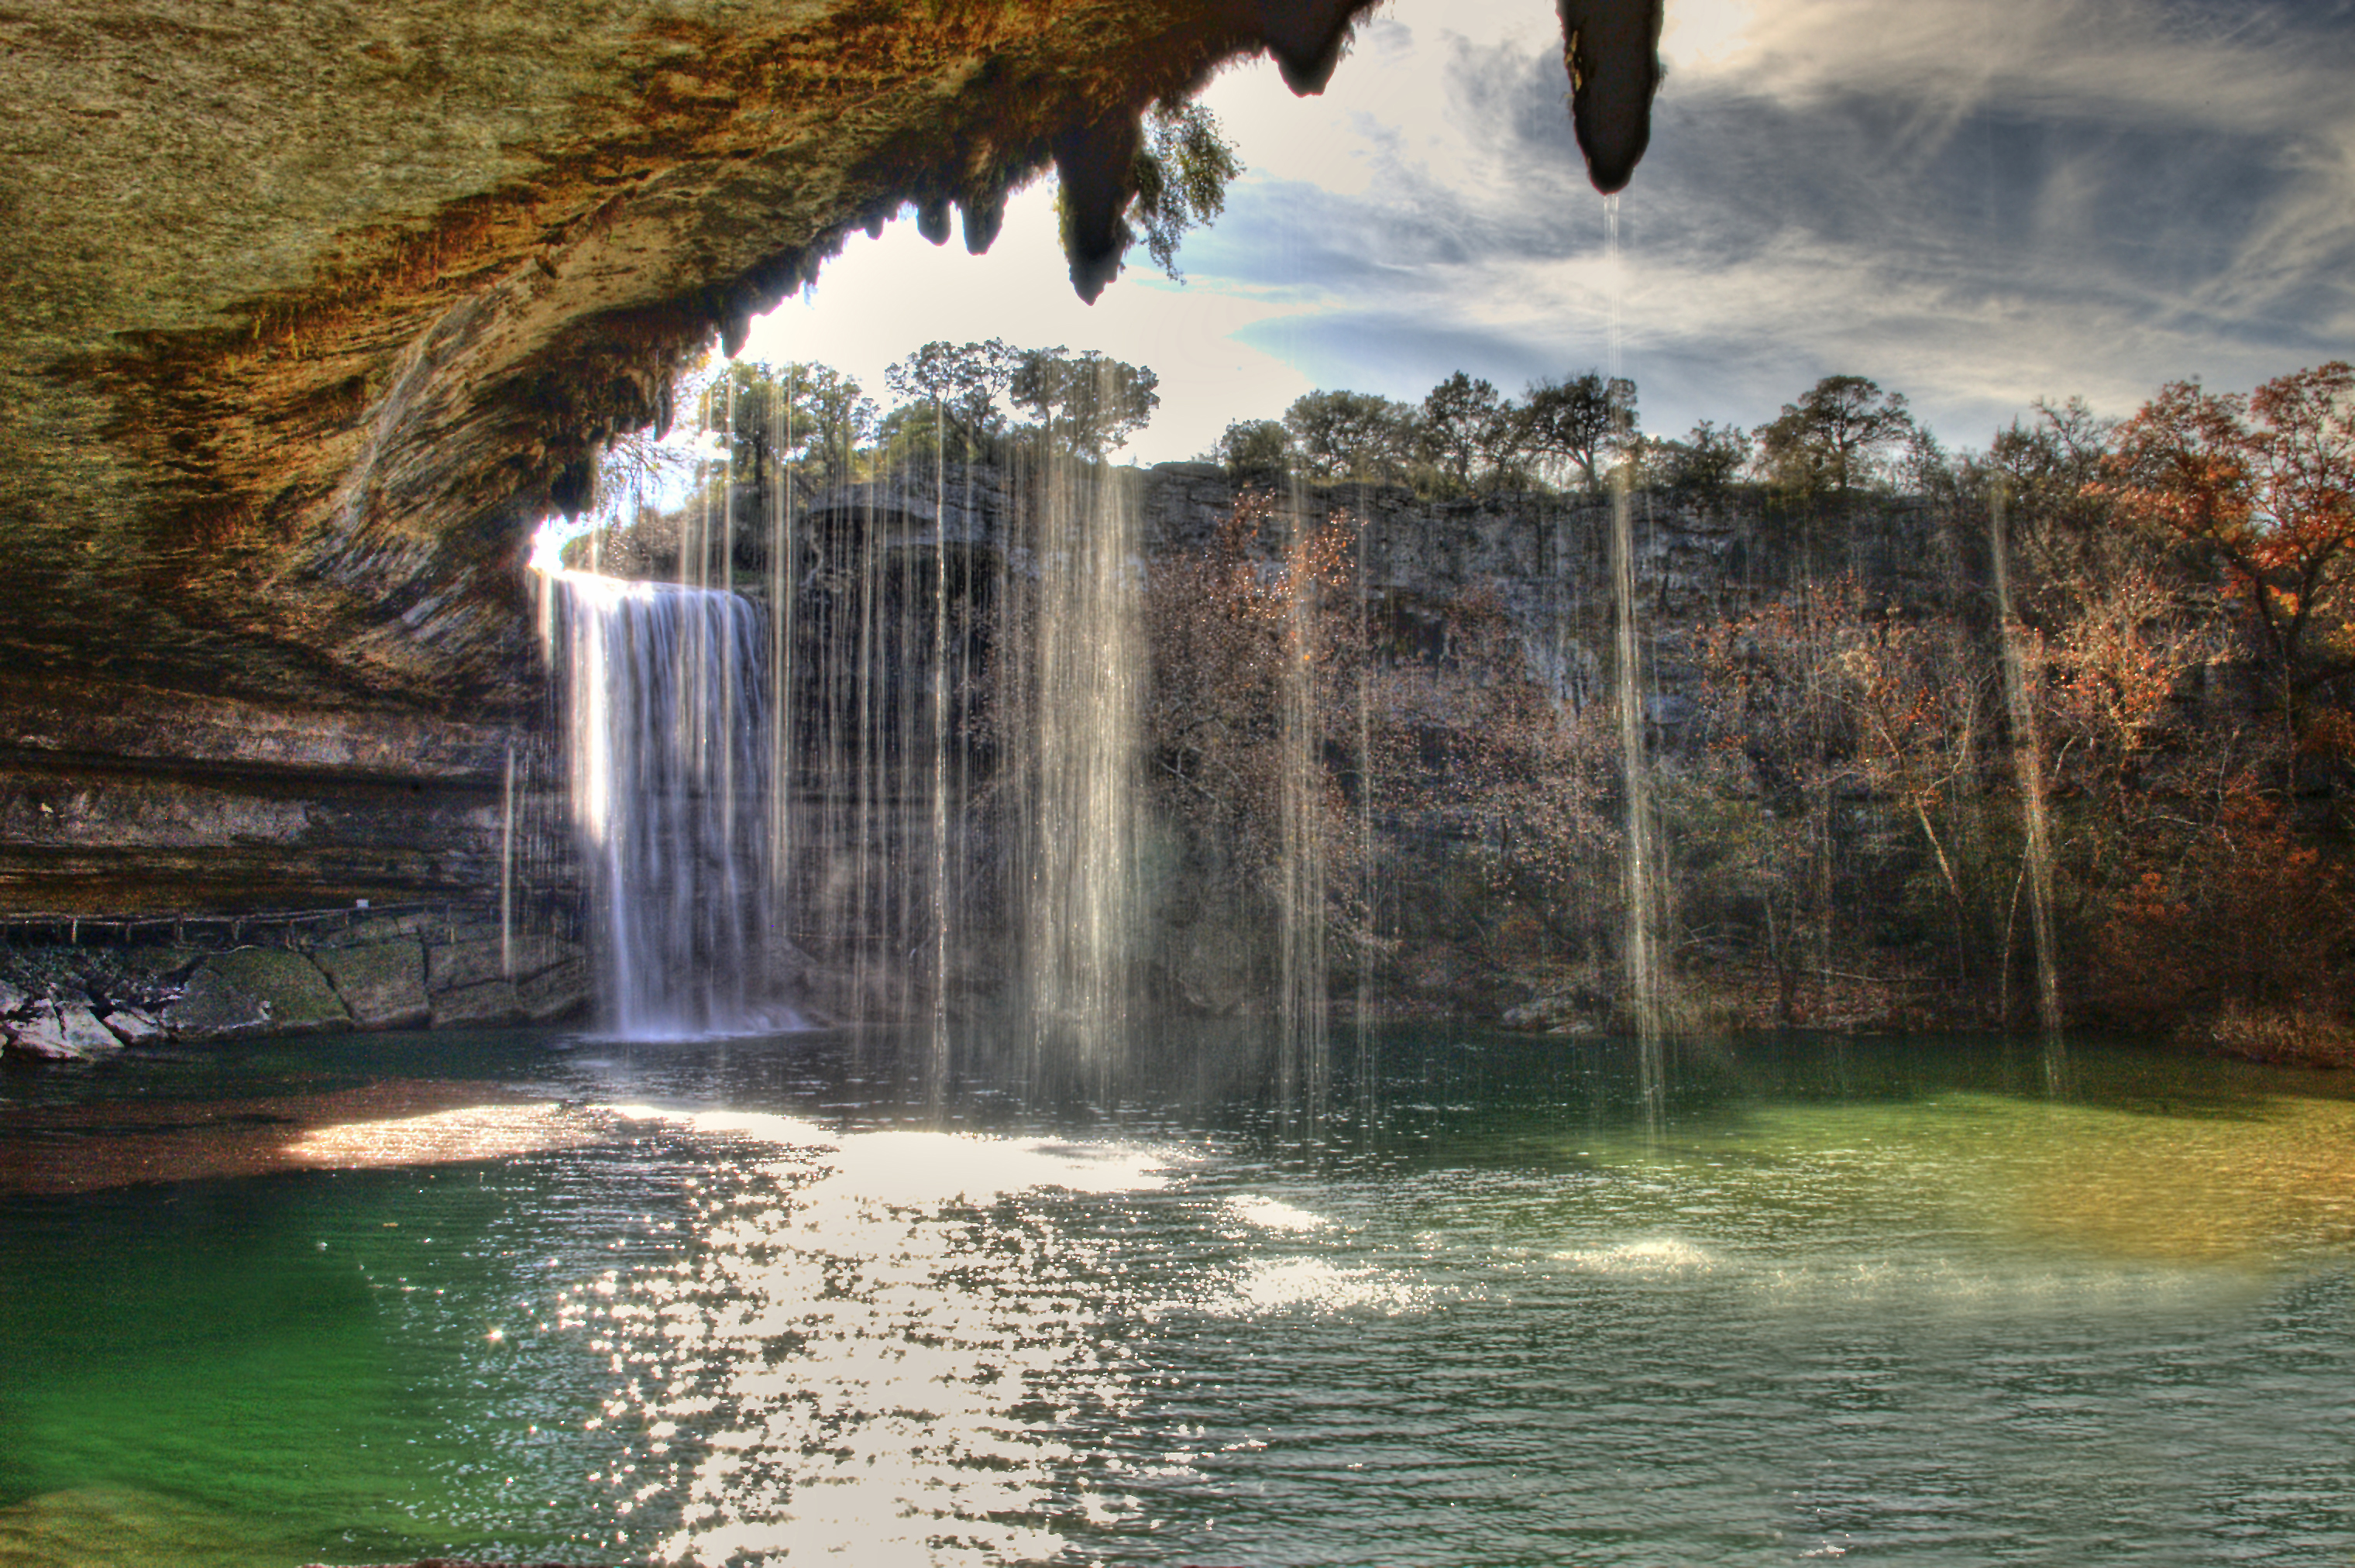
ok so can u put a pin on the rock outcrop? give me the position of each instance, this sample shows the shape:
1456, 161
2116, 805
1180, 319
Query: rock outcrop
392, 970
308, 316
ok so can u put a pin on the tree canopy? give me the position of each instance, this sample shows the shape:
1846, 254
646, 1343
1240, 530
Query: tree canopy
1089, 401
1580, 419
1351, 436
1836, 437
2265, 487
1466, 429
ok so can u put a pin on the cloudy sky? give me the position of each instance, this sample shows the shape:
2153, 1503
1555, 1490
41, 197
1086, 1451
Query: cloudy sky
1976, 202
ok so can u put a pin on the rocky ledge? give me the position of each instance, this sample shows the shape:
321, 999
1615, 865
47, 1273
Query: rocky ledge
66, 1002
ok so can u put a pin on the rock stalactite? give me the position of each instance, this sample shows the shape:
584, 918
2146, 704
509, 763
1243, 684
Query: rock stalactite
306, 318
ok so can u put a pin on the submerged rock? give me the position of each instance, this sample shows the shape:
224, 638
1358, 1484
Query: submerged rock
1580, 1012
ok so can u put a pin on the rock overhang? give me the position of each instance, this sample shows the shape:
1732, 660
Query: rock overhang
311, 311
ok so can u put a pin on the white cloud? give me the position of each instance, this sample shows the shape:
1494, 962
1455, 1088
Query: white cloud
881, 298
1976, 201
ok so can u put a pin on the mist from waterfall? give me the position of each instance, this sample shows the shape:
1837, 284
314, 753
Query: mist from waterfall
665, 701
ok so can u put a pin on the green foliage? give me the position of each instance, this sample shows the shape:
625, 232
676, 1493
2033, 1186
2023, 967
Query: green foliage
1182, 176
1256, 450
1084, 403
1836, 438
1352, 435
1582, 420
1705, 464
810, 419
953, 390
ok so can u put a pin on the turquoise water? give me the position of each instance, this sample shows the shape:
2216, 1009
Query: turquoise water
799, 1299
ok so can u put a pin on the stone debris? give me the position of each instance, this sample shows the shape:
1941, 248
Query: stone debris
53, 1031
135, 1025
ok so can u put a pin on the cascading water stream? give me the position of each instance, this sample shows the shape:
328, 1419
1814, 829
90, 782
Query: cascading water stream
667, 750
1084, 695
2028, 761
1642, 893
1304, 1005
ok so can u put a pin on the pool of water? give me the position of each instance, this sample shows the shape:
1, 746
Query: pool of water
812, 1299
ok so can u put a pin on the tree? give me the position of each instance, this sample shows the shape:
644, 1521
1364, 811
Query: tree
1465, 428
1182, 173
1351, 436
964, 381
1835, 436
1087, 401
1249, 652
802, 417
1256, 449
1582, 422
2265, 487
1705, 463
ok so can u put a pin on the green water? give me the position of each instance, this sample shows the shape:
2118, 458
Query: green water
775, 1300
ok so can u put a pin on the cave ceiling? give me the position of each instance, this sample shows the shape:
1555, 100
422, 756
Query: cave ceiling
313, 310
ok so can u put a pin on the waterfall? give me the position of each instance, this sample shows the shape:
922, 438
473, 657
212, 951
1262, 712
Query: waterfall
665, 703
2028, 758
1304, 1005
1084, 692
1642, 889
1642, 926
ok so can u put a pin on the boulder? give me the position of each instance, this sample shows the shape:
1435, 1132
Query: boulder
1213, 969
134, 1026
60, 1032
83, 1031
256, 991
487, 1003
383, 983
476, 958
1568, 1012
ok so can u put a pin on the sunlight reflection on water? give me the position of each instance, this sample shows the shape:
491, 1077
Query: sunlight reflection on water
878, 1342
788, 1325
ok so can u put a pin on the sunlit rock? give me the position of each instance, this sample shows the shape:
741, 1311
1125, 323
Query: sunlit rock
134, 1026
